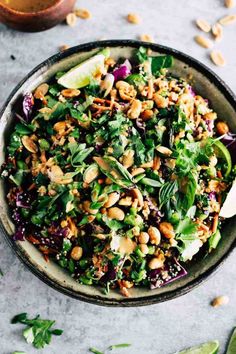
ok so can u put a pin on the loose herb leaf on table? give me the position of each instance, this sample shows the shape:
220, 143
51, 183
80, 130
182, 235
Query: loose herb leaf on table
38, 331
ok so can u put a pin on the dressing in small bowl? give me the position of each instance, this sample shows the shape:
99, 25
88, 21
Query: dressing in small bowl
34, 16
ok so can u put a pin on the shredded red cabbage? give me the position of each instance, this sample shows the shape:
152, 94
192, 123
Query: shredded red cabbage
28, 103
123, 71
171, 272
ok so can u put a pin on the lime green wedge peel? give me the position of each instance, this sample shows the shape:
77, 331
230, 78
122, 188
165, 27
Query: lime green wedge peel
80, 75
206, 348
232, 344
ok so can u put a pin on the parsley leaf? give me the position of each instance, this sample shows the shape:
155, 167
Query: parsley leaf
38, 331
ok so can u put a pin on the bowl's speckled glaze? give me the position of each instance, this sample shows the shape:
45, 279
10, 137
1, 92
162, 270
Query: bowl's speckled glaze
206, 83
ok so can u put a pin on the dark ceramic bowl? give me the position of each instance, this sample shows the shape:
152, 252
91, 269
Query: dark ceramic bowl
36, 21
207, 84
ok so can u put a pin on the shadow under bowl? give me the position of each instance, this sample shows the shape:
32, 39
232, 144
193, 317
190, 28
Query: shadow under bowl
206, 83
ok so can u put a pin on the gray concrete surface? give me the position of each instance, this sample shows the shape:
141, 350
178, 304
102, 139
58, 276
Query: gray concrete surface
158, 329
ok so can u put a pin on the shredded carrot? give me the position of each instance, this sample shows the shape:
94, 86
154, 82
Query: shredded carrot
215, 223
32, 186
219, 174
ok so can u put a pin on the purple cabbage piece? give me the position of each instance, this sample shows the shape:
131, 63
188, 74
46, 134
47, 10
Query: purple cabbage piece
212, 195
19, 233
171, 272
229, 140
109, 275
123, 71
210, 125
191, 91
28, 103
141, 127
23, 200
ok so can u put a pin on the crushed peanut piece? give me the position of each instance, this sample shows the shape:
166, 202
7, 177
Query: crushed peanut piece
217, 58
227, 20
220, 300
203, 42
217, 31
133, 18
203, 25
83, 13
63, 47
146, 38
71, 19
229, 3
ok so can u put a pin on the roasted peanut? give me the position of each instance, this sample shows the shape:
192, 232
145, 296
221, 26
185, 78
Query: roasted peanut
128, 158
137, 194
167, 230
156, 163
41, 91
144, 248
69, 93
154, 234
222, 128
155, 263
210, 116
83, 13
161, 102
60, 127
143, 237
126, 91
112, 199
76, 253
219, 301
127, 201
86, 207
164, 150
147, 114
29, 144
116, 213
137, 171
135, 109
133, 18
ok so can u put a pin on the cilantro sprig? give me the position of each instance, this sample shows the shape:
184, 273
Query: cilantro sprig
38, 331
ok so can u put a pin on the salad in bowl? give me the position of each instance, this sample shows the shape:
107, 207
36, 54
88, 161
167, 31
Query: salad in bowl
119, 171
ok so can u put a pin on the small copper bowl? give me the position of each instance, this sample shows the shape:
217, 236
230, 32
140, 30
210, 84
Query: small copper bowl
36, 21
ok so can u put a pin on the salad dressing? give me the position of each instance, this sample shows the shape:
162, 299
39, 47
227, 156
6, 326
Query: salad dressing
28, 5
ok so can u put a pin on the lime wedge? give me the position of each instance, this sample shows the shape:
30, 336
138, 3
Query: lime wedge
222, 152
232, 344
206, 348
80, 75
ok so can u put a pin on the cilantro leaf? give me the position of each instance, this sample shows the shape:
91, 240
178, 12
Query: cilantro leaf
38, 331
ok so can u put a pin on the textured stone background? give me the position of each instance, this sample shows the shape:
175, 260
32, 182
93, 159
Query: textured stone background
159, 329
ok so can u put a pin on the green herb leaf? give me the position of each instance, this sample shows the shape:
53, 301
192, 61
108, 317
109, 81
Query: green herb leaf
117, 346
161, 62
167, 191
38, 331
214, 240
95, 351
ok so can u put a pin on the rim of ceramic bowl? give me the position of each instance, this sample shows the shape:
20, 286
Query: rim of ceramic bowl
32, 13
142, 300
